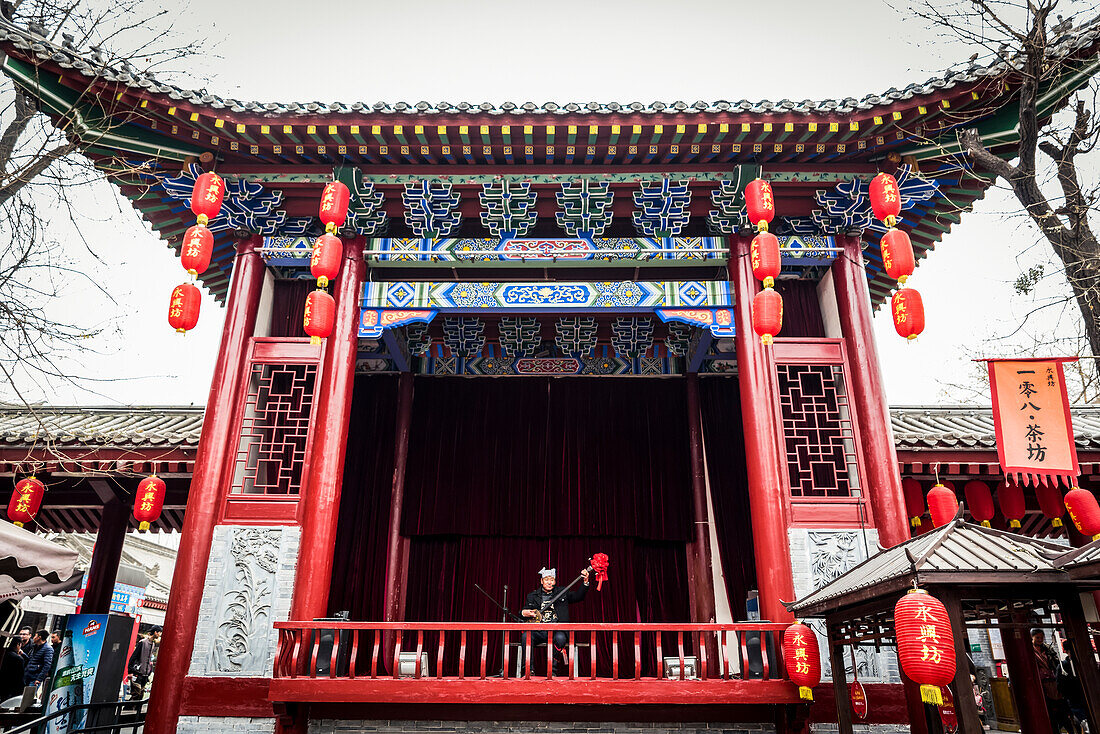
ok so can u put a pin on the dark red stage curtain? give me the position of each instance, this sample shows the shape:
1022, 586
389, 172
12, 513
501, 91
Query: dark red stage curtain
539, 457
288, 306
729, 485
359, 563
801, 309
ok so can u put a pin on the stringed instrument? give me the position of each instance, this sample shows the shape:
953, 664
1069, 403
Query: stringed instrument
597, 564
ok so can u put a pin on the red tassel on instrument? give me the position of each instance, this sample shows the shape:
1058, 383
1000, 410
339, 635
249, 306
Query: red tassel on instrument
599, 563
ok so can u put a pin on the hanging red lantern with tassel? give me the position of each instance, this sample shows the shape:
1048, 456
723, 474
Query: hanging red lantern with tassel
183, 308
319, 316
979, 500
198, 246
802, 658
926, 646
1051, 503
324, 264
885, 198
897, 255
334, 206
206, 197
1084, 511
26, 500
943, 505
760, 203
914, 500
149, 501
764, 255
908, 310
1011, 498
767, 315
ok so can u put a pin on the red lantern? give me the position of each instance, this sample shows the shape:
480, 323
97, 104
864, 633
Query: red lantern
760, 203
1011, 497
885, 198
319, 316
1051, 503
25, 500
897, 255
764, 255
908, 309
149, 501
206, 197
767, 314
914, 500
198, 245
926, 646
1084, 511
334, 206
802, 658
328, 251
183, 309
942, 505
979, 500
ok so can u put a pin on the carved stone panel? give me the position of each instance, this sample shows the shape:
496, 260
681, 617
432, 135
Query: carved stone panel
248, 586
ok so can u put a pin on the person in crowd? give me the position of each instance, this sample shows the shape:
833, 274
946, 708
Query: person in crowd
39, 659
25, 635
142, 662
1046, 660
55, 640
11, 670
1069, 685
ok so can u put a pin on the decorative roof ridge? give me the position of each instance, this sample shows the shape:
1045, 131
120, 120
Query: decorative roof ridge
91, 64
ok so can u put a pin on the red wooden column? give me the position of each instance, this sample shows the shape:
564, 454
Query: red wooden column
321, 500
882, 482
765, 461
215, 445
704, 578
394, 555
103, 569
1023, 675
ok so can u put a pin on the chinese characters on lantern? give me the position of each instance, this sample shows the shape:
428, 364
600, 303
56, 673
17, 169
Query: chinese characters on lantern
1032, 419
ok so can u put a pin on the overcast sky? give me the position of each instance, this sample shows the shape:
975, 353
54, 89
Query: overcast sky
569, 50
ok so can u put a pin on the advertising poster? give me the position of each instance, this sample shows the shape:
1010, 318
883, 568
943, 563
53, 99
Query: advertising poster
77, 665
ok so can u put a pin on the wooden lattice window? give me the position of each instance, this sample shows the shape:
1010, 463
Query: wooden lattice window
818, 431
271, 452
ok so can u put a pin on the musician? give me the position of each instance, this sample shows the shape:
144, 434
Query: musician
539, 601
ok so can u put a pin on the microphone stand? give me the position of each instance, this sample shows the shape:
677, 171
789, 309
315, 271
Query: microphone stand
506, 613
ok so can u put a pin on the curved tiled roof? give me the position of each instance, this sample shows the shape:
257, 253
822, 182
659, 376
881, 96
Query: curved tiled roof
138, 427
969, 428
94, 66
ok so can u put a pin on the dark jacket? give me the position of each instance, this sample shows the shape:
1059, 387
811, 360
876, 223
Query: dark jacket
39, 661
561, 606
141, 661
11, 674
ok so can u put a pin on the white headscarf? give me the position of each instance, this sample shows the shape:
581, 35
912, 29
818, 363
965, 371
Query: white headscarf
548, 572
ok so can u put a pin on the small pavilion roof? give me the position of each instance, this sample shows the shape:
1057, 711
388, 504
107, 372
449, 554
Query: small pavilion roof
970, 428
959, 553
147, 426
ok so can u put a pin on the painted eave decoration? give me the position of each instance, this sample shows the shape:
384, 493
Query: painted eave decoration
276, 157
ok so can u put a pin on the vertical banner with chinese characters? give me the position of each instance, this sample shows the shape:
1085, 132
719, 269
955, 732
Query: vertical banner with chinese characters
1031, 416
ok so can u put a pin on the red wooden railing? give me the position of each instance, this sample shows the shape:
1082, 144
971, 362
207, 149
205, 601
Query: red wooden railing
456, 651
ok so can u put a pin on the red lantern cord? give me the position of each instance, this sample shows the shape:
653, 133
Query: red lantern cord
1084, 511
926, 645
942, 505
979, 500
1051, 503
767, 315
1011, 497
196, 249
914, 500
149, 501
802, 658
26, 500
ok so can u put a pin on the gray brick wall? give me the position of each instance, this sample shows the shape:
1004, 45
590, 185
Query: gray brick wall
212, 724
338, 726
273, 575
869, 728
